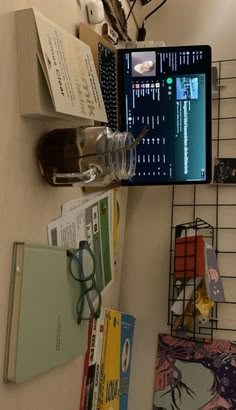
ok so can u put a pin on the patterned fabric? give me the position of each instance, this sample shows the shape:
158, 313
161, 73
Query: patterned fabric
195, 375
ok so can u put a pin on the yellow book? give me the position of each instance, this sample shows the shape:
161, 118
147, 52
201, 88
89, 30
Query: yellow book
100, 390
115, 233
110, 369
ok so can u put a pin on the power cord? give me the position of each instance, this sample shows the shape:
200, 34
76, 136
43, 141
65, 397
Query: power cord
142, 31
131, 9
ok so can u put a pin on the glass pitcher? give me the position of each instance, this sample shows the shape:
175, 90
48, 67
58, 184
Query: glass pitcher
94, 156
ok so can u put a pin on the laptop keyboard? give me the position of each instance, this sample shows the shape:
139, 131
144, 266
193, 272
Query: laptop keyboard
107, 79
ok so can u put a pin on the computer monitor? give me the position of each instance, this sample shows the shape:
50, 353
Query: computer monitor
168, 89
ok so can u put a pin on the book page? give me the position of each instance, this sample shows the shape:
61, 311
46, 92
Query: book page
44, 68
71, 71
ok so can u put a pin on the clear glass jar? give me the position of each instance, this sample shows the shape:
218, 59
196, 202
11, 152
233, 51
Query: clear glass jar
92, 156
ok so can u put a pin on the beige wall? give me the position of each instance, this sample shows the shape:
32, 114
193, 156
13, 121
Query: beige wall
144, 285
202, 21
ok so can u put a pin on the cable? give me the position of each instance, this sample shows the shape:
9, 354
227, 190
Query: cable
142, 31
153, 11
131, 9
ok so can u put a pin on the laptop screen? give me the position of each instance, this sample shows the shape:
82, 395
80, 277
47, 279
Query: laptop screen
168, 89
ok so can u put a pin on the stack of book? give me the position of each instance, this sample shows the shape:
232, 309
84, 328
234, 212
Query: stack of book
56, 73
108, 361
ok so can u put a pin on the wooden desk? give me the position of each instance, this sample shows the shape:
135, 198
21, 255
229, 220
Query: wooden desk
27, 204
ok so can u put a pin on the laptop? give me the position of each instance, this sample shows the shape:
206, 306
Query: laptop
167, 89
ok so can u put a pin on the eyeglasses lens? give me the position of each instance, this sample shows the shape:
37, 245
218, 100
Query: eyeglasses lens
82, 266
90, 304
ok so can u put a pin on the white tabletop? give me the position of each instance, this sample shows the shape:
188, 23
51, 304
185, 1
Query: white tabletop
27, 204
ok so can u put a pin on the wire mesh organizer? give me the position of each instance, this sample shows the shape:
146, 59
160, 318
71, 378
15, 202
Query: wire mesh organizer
211, 210
186, 274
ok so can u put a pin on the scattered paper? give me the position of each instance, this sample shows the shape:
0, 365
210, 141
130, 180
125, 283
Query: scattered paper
77, 202
92, 220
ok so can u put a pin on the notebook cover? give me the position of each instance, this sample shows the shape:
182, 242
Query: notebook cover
48, 333
110, 375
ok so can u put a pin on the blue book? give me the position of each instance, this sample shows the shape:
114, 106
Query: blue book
127, 333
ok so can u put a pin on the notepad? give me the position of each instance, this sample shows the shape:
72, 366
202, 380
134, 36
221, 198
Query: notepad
42, 331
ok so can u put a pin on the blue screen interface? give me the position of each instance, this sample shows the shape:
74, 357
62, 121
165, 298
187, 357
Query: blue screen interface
166, 90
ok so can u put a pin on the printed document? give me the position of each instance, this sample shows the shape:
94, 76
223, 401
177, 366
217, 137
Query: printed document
92, 221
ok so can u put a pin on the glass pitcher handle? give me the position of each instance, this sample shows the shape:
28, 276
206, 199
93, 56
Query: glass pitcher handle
75, 177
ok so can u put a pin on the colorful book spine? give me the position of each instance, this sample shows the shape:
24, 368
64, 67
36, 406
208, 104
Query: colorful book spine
127, 334
115, 370
101, 386
101, 322
111, 367
86, 366
91, 367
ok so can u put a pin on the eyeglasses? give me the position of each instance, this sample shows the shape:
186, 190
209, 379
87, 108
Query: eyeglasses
83, 269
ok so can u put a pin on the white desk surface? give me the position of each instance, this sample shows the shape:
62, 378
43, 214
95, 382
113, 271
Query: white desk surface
27, 204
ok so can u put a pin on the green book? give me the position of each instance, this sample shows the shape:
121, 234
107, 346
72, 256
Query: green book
42, 331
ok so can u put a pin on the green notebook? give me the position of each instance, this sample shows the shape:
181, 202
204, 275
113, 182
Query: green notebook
42, 328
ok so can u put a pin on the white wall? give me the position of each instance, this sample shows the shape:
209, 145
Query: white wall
144, 284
